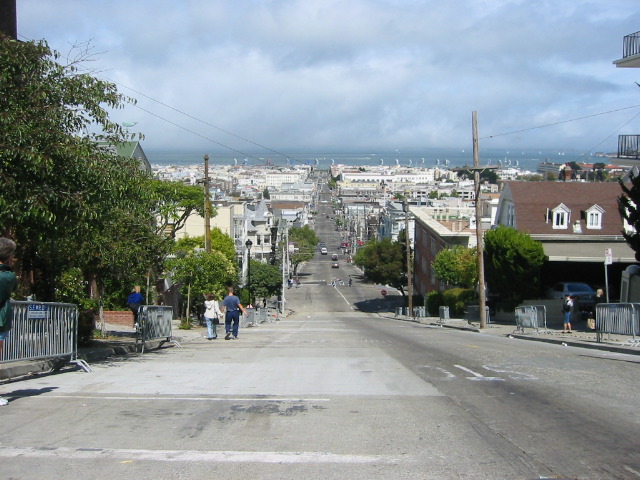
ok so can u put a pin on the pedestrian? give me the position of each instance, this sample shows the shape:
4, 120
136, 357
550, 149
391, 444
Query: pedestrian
599, 298
232, 306
134, 302
567, 307
212, 314
297, 282
8, 283
350, 280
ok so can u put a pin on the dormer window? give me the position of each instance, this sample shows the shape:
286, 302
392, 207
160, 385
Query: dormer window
593, 217
560, 216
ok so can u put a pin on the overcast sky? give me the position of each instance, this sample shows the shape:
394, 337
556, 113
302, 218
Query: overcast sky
369, 75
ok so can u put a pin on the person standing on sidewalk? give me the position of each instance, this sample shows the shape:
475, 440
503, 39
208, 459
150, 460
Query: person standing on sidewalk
212, 314
567, 310
8, 283
232, 306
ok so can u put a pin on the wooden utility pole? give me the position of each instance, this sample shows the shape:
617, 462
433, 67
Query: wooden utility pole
207, 207
479, 239
405, 207
8, 19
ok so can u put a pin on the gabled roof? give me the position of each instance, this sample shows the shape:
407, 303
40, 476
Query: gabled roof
533, 200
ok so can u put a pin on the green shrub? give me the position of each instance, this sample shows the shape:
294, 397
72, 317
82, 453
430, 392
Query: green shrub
457, 298
434, 301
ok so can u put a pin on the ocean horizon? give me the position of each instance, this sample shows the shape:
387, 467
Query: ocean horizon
428, 158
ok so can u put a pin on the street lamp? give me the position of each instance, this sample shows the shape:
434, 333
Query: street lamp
248, 244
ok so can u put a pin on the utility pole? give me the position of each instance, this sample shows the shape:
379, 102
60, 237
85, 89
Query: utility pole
207, 207
479, 238
405, 207
9, 19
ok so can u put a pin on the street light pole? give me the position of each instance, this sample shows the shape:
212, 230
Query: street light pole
207, 207
248, 244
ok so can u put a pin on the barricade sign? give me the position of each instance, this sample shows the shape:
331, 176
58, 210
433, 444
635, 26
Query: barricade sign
618, 318
472, 314
531, 316
443, 310
43, 331
155, 323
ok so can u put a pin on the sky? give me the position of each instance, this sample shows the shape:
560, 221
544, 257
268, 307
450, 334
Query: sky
356, 75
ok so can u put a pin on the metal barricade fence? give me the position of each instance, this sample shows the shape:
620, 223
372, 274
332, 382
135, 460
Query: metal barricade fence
155, 322
43, 330
472, 314
618, 318
249, 318
531, 316
443, 312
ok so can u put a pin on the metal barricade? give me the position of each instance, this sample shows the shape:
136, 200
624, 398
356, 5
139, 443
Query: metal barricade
43, 330
155, 322
443, 312
398, 311
618, 318
419, 312
472, 314
531, 316
249, 319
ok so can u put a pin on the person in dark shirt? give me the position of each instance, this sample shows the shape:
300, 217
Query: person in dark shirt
134, 301
232, 306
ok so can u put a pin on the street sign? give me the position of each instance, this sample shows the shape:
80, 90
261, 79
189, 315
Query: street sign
383, 293
608, 256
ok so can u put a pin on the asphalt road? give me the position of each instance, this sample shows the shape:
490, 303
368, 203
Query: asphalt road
332, 392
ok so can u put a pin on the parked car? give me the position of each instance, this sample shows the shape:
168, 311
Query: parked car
335, 265
584, 292
324, 251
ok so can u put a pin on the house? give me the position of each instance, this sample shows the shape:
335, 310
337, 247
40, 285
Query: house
575, 221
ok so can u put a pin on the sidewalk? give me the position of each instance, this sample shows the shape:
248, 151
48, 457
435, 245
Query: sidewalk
579, 337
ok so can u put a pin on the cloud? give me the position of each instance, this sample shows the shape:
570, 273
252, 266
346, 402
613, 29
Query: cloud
356, 74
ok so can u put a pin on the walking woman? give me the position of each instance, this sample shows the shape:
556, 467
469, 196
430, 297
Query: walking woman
212, 314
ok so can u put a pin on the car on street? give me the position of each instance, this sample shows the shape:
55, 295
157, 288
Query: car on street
585, 293
335, 265
334, 256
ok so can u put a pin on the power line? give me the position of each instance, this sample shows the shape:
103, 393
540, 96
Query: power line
559, 123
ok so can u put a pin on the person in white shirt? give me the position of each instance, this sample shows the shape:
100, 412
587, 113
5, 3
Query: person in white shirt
212, 314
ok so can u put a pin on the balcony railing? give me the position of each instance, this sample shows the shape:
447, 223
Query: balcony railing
631, 45
629, 146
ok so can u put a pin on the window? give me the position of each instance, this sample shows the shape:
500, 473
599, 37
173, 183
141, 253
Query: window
593, 217
560, 217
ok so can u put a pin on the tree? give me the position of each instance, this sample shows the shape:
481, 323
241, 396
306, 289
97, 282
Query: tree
175, 203
512, 265
86, 195
266, 280
384, 262
457, 266
200, 273
305, 241
628, 208
265, 194
220, 242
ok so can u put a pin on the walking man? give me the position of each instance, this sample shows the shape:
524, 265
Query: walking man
232, 306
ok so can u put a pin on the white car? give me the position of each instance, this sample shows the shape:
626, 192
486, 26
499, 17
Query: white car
324, 251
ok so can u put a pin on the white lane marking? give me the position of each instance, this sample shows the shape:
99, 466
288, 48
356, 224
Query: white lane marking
343, 297
477, 376
446, 373
189, 399
511, 373
195, 455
